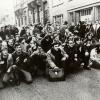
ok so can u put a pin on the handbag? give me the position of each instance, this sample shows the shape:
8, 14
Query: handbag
57, 74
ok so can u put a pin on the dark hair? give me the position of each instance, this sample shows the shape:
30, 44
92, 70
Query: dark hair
28, 40
0, 41
56, 43
16, 45
89, 34
76, 38
21, 39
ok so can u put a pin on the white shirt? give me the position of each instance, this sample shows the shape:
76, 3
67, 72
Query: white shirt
94, 56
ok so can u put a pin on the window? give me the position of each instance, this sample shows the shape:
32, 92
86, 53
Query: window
85, 12
58, 19
19, 22
22, 21
72, 17
25, 19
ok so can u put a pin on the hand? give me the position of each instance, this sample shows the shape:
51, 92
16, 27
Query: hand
63, 59
75, 55
17, 59
67, 56
86, 53
56, 73
82, 64
1, 62
9, 70
76, 59
25, 60
14, 66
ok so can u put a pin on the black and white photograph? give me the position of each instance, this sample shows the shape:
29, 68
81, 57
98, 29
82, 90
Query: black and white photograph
49, 49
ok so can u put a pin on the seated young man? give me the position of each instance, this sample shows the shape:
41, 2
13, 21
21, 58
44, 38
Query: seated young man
56, 57
38, 61
6, 61
88, 44
95, 56
86, 49
78, 50
74, 55
20, 64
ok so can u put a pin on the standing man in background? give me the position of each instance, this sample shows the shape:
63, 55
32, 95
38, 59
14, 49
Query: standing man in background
96, 30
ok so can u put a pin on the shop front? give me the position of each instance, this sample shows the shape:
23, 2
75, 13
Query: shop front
81, 15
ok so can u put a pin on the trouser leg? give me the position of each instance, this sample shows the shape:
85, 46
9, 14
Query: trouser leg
27, 76
6, 77
86, 63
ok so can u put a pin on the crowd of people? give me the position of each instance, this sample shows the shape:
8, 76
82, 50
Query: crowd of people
34, 49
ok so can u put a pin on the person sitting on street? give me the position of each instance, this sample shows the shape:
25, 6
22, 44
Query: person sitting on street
6, 61
21, 65
95, 56
88, 45
73, 61
56, 57
38, 61
78, 48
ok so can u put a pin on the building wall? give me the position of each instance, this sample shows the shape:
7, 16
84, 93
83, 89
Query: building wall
60, 11
56, 8
77, 4
31, 10
21, 12
75, 7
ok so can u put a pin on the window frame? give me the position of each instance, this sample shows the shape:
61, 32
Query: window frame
58, 4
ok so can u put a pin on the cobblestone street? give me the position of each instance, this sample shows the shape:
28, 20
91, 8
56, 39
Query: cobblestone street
84, 85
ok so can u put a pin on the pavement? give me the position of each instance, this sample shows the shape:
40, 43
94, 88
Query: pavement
81, 85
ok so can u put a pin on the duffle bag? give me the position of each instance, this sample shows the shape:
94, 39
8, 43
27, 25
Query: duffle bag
56, 75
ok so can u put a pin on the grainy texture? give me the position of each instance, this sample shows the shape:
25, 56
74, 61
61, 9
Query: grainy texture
84, 85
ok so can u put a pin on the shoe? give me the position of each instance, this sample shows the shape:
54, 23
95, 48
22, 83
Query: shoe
17, 83
87, 68
2, 85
